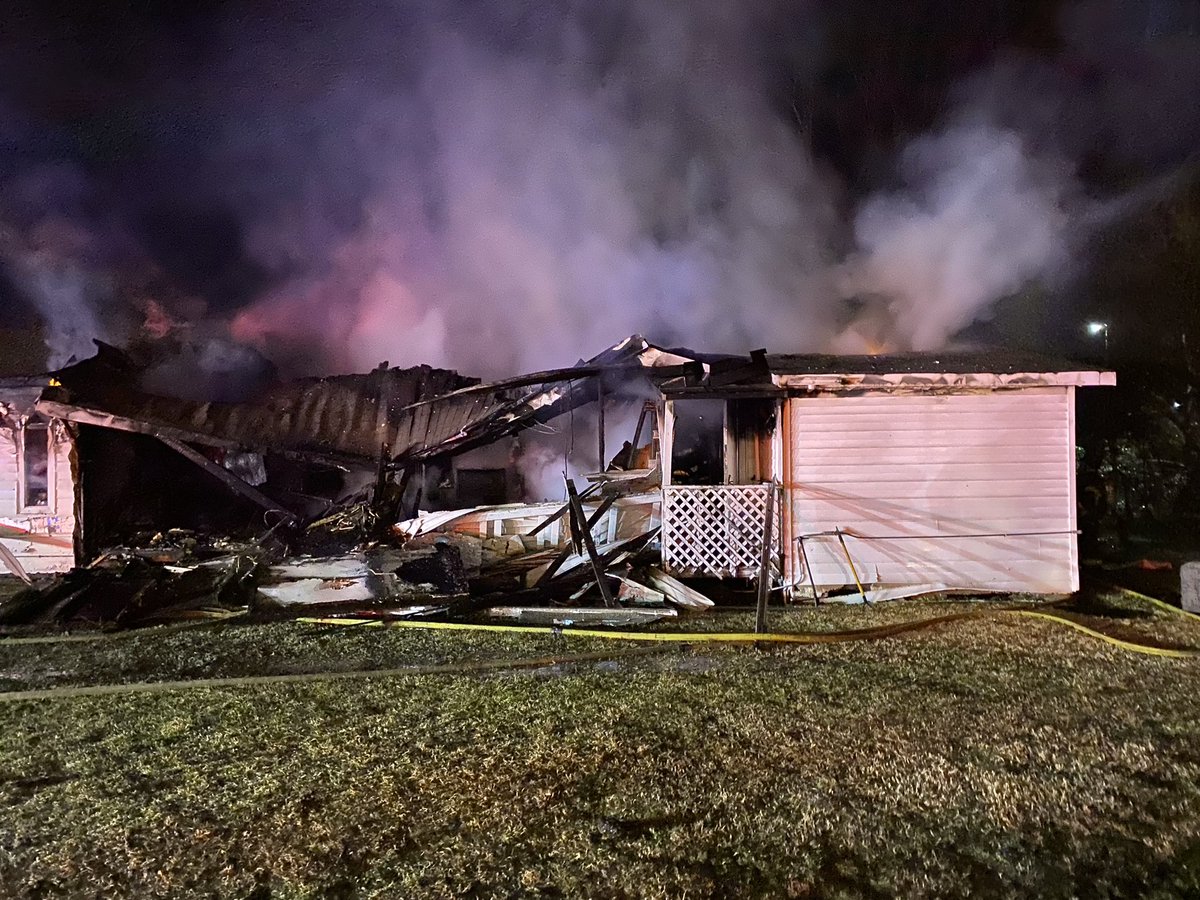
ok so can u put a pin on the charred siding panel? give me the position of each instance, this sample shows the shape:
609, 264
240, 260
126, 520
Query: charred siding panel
338, 416
908, 471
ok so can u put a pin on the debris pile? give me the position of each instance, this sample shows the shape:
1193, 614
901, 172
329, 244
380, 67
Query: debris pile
579, 564
170, 578
312, 476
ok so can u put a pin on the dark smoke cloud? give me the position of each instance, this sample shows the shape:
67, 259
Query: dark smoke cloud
507, 185
1121, 87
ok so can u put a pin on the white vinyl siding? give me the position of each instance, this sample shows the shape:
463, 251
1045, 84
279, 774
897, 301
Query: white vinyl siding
49, 546
972, 491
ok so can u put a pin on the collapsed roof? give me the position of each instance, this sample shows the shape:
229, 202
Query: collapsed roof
422, 413
410, 414
19, 395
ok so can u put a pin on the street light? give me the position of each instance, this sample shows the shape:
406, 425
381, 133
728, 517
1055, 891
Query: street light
1099, 328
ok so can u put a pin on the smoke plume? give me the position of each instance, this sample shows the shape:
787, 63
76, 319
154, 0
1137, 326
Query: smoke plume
537, 196
977, 219
505, 186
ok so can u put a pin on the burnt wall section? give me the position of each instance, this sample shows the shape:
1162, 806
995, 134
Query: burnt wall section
133, 483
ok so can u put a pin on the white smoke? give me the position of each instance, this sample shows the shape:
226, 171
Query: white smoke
48, 265
978, 217
498, 187
527, 208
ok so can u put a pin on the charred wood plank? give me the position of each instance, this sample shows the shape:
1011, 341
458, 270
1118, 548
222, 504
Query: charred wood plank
724, 374
589, 545
563, 510
764, 565
565, 553
82, 415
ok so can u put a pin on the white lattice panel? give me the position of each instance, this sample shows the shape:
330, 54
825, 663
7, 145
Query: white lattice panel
717, 530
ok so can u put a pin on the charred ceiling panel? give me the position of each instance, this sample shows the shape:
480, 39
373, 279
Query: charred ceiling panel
340, 417
418, 414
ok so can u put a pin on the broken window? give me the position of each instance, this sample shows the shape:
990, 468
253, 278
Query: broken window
35, 464
723, 441
749, 440
697, 455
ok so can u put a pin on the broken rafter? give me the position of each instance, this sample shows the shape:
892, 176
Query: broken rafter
589, 545
230, 480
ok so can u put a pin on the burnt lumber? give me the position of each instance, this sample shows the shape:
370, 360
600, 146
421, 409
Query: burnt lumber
566, 551
130, 592
764, 565
566, 616
13, 564
677, 592
723, 373
563, 510
589, 544
634, 593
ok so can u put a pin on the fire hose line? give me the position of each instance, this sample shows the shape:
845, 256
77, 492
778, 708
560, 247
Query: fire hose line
812, 637
1167, 607
668, 638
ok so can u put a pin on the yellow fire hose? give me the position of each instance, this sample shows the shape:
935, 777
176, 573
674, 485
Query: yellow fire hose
661, 637
811, 637
1166, 607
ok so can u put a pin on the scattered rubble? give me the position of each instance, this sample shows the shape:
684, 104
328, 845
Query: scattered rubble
676, 591
322, 481
128, 591
347, 566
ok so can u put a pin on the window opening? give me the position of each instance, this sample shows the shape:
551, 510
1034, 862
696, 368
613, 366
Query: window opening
35, 452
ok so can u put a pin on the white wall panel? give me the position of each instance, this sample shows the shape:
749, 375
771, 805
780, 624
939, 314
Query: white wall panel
972, 491
49, 545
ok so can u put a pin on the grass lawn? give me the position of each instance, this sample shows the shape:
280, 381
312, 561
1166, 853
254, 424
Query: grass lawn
990, 756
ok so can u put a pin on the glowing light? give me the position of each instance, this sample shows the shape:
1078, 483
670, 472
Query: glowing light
1095, 328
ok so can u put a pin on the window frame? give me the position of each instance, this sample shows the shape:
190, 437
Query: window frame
51, 467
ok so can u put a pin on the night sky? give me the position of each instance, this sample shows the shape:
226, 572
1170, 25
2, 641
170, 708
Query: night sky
117, 164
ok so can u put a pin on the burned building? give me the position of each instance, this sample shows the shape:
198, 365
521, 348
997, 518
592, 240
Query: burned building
404, 438
882, 475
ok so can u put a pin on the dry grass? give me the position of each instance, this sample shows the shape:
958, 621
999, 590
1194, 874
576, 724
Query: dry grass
996, 757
